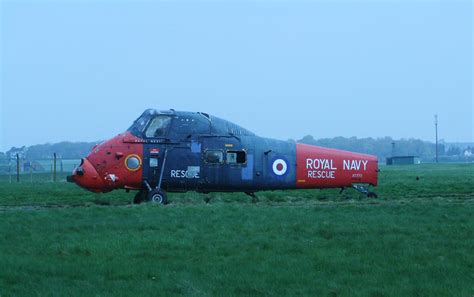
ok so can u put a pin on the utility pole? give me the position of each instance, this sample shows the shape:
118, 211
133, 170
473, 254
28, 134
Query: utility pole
54, 167
436, 131
17, 168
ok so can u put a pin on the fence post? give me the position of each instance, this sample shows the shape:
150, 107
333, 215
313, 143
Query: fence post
54, 167
17, 168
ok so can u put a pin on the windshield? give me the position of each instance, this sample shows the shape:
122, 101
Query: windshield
158, 127
140, 124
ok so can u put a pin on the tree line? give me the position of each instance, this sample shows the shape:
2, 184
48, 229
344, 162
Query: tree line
382, 147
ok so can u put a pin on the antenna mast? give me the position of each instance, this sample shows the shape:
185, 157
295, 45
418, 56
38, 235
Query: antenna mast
436, 131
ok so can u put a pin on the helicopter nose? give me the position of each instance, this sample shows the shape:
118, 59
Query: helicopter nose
87, 177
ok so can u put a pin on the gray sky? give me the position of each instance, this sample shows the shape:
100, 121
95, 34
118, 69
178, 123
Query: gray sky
84, 71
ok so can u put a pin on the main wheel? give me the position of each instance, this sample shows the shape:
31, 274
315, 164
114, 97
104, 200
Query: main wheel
157, 196
372, 195
140, 197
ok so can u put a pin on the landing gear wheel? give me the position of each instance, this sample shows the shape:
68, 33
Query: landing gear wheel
364, 190
157, 196
140, 197
372, 195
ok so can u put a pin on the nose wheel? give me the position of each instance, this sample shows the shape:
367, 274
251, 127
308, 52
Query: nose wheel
157, 196
154, 196
151, 195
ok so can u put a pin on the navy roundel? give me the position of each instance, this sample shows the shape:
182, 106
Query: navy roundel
279, 166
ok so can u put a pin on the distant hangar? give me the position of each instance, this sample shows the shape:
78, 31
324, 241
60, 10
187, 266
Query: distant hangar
403, 160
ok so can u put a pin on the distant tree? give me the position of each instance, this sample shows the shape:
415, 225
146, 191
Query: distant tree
453, 151
3, 158
381, 147
308, 139
21, 152
66, 150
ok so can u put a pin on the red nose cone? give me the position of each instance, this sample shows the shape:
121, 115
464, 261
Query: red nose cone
86, 176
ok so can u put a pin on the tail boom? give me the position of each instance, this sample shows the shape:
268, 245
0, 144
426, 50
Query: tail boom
318, 167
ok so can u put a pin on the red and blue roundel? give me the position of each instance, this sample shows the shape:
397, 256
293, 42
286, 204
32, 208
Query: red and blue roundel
279, 166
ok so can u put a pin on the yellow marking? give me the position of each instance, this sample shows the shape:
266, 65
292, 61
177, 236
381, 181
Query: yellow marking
301, 180
139, 162
229, 145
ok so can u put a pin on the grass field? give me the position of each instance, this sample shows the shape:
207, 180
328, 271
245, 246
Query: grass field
417, 239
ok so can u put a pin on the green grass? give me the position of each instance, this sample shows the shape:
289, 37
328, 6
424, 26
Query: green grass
417, 239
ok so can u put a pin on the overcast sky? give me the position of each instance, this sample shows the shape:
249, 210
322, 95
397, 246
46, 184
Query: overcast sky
84, 71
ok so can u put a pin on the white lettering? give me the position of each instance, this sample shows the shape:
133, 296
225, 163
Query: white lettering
324, 164
319, 174
346, 164
365, 164
354, 164
184, 174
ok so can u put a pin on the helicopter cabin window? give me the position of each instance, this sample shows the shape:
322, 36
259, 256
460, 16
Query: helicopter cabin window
236, 157
153, 162
158, 127
214, 157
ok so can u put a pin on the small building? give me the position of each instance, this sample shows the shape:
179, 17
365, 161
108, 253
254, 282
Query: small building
403, 160
468, 152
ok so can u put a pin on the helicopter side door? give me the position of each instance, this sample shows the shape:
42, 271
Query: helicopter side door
155, 147
226, 165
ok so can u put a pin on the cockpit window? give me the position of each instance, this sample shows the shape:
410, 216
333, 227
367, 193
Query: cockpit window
140, 124
158, 127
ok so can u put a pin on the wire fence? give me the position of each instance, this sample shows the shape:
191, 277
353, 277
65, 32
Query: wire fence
53, 169
56, 169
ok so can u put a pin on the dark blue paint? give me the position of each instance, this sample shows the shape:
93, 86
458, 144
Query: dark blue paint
248, 171
190, 135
